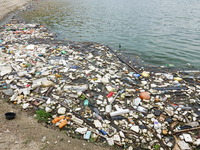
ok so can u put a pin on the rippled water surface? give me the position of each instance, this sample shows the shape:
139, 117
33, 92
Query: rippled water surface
159, 31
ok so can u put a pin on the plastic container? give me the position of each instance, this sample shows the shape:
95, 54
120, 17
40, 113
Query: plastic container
62, 124
110, 94
10, 115
57, 119
87, 135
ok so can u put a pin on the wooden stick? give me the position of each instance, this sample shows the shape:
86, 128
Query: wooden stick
186, 130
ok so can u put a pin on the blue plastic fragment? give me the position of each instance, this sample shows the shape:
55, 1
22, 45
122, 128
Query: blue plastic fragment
40, 55
74, 67
103, 132
87, 135
118, 117
86, 102
96, 111
136, 75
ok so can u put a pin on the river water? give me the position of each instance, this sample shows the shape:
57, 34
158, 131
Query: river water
160, 32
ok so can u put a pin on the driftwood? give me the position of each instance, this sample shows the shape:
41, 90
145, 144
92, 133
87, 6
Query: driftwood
186, 130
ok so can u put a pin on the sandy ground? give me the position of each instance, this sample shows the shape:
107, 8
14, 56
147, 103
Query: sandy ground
25, 133
7, 6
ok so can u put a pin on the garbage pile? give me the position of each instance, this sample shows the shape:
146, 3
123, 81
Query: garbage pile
93, 95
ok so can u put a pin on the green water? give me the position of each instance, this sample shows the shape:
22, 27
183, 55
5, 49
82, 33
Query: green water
160, 32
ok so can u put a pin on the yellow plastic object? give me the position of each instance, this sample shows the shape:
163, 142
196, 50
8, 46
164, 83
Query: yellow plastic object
57, 119
145, 74
58, 75
178, 79
62, 124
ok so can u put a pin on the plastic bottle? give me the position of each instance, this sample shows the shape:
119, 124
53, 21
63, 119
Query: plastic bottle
77, 120
96, 110
110, 94
119, 112
57, 119
62, 124
103, 132
98, 116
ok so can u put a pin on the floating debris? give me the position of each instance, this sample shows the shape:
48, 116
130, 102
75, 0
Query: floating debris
92, 92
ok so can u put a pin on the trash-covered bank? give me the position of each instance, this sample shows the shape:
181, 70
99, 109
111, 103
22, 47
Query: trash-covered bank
93, 95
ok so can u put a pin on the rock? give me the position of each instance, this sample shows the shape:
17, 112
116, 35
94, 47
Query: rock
162, 118
81, 130
5, 70
25, 91
116, 138
136, 101
25, 106
76, 87
110, 141
144, 83
47, 109
121, 134
43, 138
8, 92
157, 112
108, 108
169, 111
61, 110
169, 120
130, 148
169, 76
183, 145
187, 137
97, 124
47, 83
145, 95
164, 132
197, 142
193, 124
135, 128
142, 109
149, 116
30, 47
105, 79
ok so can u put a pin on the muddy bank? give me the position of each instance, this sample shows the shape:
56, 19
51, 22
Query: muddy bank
9, 6
26, 133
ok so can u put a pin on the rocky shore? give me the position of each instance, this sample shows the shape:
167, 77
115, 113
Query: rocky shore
91, 92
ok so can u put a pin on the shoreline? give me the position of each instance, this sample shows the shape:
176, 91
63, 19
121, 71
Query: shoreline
7, 7
40, 77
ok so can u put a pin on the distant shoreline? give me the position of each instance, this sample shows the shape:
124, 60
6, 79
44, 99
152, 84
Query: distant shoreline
9, 6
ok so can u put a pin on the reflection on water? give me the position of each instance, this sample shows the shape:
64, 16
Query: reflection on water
160, 32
